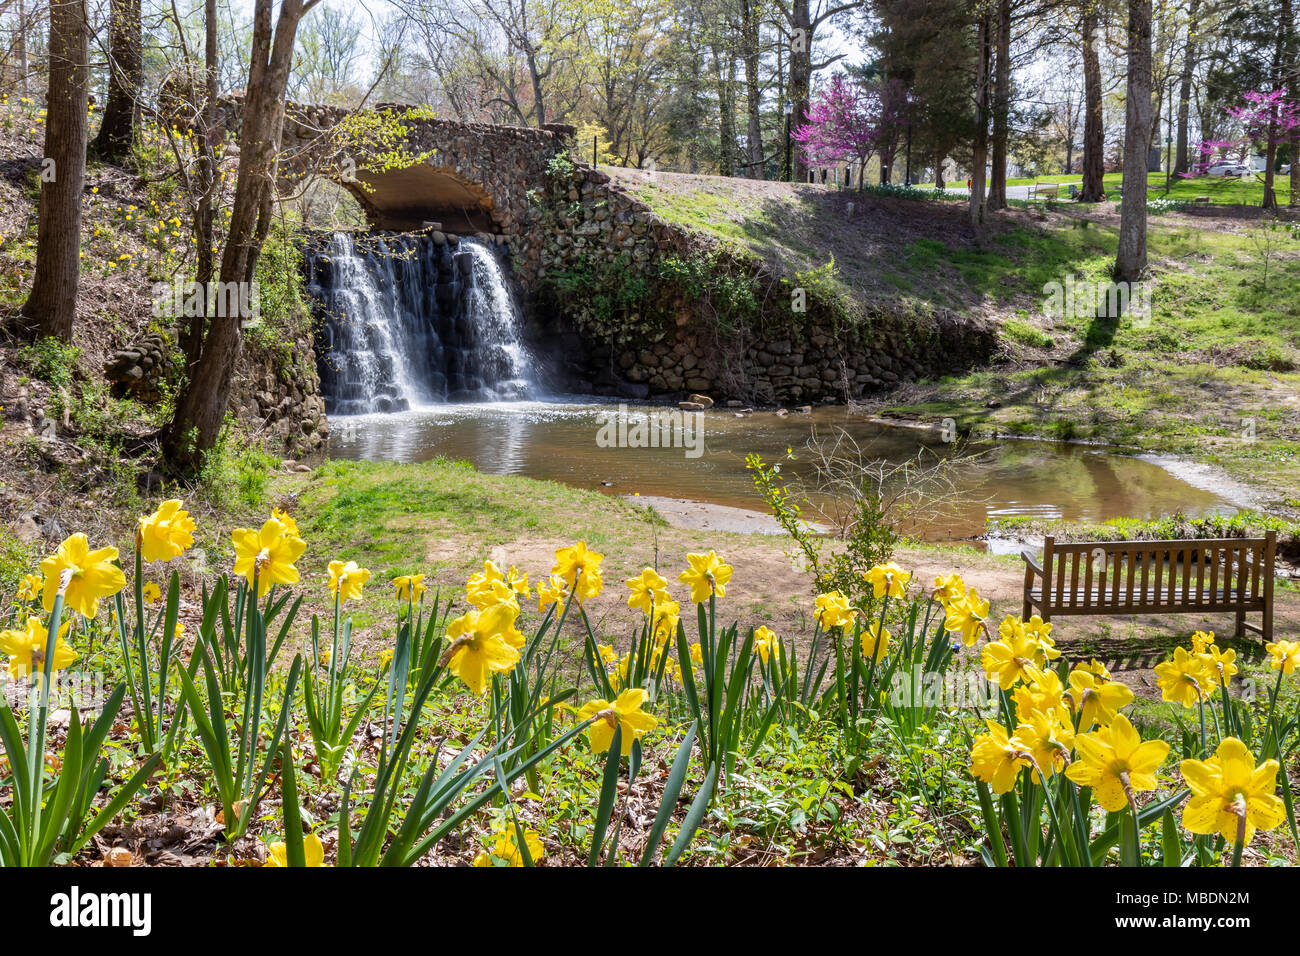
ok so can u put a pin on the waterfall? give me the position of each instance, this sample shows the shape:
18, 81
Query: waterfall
405, 320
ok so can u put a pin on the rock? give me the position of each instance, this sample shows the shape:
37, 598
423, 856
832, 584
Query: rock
691, 406
804, 409
781, 413
701, 400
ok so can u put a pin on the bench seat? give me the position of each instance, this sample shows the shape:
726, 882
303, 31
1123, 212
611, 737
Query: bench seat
1229, 575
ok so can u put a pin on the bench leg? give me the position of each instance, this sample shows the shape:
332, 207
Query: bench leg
1241, 624
1026, 610
1266, 624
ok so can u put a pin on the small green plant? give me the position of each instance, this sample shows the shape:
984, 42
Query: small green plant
50, 360
1023, 333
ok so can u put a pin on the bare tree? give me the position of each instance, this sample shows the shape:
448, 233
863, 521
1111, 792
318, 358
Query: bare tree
201, 407
125, 73
1094, 129
1131, 259
52, 306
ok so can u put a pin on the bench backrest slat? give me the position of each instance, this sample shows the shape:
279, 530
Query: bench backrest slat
1155, 575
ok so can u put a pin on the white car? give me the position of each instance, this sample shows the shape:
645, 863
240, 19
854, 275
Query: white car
1228, 169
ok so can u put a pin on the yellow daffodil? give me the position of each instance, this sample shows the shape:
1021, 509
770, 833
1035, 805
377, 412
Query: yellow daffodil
664, 626
518, 580
346, 579
1095, 667
91, 575
833, 610
706, 574
1221, 664
1049, 738
290, 526
385, 658
30, 587
647, 589
766, 643
479, 647
1231, 795
875, 641
486, 594
1285, 655
1201, 641
267, 554
1038, 629
554, 591
409, 587
312, 850
624, 713
997, 759
166, 533
949, 589
1116, 763
1015, 657
1185, 679
505, 850
967, 617
26, 649
580, 569
887, 579
1042, 693
697, 655
152, 593
483, 580
1096, 700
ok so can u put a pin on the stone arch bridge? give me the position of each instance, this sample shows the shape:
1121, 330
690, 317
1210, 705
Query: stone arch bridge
475, 180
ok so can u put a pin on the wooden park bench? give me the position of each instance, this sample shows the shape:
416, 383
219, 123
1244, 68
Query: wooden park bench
1212, 576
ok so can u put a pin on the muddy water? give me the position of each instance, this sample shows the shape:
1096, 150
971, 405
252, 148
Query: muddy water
561, 441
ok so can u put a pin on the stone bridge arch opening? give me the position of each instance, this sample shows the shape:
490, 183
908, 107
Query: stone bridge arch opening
407, 199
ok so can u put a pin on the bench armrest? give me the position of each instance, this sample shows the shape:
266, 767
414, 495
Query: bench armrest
1034, 566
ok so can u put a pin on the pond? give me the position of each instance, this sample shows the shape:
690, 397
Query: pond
567, 441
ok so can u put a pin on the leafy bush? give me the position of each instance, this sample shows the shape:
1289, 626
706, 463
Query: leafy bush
50, 360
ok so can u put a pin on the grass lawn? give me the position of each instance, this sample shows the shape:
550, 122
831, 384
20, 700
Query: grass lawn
1220, 190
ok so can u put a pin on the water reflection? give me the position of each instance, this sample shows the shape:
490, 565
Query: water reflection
558, 441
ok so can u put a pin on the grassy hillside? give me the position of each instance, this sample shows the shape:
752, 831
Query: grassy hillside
1212, 373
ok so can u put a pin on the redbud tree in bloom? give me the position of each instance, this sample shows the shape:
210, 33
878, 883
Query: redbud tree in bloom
840, 125
1268, 118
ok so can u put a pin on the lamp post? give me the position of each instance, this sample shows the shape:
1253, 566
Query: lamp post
907, 176
788, 110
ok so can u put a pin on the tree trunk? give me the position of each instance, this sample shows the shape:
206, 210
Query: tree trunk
1131, 260
1280, 71
753, 94
201, 407
20, 47
52, 305
1294, 153
726, 71
1001, 108
1181, 161
980, 149
125, 72
1094, 134
800, 73
206, 182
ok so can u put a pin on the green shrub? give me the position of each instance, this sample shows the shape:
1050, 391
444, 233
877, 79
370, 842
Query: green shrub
1022, 333
50, 360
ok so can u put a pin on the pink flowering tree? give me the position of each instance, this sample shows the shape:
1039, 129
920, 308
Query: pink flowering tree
840, 125
1268, 119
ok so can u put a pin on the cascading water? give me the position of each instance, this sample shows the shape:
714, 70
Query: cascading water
404, 320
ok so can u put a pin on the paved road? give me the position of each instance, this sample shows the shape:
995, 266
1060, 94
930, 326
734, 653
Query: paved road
1015, 192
